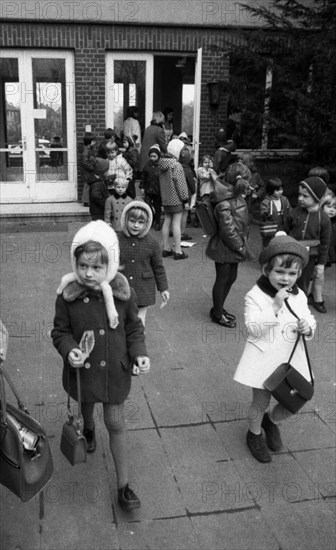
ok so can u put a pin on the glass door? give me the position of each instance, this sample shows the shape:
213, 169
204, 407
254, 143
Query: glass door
129, 82
37, 127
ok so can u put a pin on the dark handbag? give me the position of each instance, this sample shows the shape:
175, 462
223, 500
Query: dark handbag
73, 442
205, 213
313, 245
287, 385
25, 459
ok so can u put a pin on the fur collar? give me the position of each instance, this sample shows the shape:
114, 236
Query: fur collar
264, 285
119, 285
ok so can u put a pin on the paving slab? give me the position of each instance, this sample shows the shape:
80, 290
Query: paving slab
167, 534
240, 530
307, 431
320, 465
303, 526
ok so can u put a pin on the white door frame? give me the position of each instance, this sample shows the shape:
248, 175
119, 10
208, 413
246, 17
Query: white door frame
109, 96
197, 106
31, 190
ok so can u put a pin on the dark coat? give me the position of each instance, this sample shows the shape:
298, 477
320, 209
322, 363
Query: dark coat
98, 194
304, 225
143, 267
150, 178
106, 376
229, 244
152, 135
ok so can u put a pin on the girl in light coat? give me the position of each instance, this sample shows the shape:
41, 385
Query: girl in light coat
271, 334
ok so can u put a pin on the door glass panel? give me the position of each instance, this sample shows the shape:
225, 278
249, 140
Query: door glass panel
129, 89
50, 119
11, 160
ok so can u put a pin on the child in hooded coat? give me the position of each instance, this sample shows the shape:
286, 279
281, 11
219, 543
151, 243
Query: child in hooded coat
140, 256
96, 300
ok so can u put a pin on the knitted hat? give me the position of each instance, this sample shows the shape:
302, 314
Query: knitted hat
102, 233
284, 244
155, 149
175, 147
137, 204
315, 187
185, 156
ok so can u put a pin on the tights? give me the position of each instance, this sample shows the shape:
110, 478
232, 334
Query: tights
115, 424
226, 274
261, 400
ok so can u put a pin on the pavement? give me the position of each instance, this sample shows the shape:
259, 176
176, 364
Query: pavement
199, 486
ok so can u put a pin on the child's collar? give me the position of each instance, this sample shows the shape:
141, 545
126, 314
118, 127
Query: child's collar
264, 285
120, 289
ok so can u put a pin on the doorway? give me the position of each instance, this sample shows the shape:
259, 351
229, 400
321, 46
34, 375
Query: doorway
154, 82
37, 137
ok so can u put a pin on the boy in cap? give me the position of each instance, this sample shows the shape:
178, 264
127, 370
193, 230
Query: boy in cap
307, 222
271, 333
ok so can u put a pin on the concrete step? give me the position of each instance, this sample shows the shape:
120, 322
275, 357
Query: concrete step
43, 212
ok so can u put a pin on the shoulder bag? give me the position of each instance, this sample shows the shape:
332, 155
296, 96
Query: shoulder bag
25, 459
287, 385
313, 246
269, 229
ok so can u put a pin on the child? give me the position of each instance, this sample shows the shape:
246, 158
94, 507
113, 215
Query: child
118, 166
271, 334
328, 205
98, 192
185, 161
140, 256
87, 163
98, 298
132, 157
116, 203
223, 155
274, 208
308, 222
228, 247
150, 183
205, 184
257, 186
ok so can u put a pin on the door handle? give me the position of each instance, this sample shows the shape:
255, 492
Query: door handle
24, 144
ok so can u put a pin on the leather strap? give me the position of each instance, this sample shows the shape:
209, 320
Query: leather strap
297, 341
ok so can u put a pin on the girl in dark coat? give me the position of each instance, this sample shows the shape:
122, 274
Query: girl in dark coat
96, 301
140, 256
131, 155
153, 134
228, 247
98, 192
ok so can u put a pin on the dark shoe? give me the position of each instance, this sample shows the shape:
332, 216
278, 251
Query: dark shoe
127, 499
224, 321
273, 437
258, 447
319, 306
91, 439
166, 253
230, 316
185, 237
178, 256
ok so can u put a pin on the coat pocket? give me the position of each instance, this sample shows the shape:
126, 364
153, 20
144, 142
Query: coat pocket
147, 275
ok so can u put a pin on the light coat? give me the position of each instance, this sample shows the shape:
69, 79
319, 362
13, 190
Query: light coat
270, 338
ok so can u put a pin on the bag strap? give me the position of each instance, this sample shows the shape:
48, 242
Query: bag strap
4, 374
297, 341
79, 396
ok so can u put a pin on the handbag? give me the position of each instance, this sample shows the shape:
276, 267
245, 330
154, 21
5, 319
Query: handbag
269, 229
73, 442
206, 215
313, 245
26, 463
287, 385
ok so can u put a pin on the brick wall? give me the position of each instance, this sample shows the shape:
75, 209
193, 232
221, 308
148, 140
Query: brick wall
90, 43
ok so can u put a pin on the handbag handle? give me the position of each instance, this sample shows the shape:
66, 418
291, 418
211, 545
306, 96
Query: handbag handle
4, 375
297, 341
78, 393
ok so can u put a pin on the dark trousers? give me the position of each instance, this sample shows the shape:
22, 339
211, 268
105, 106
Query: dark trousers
226, 274
154, 201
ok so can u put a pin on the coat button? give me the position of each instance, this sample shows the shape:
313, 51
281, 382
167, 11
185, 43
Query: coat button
133, 244
87, 365
133, 261
131, 278
86, 300
102, 363
101, 332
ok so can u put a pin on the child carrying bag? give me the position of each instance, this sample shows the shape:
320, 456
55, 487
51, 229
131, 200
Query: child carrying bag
287, 385
26, 464
269, 228
73, 442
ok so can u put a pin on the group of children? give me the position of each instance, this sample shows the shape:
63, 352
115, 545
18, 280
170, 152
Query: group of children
115, 277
